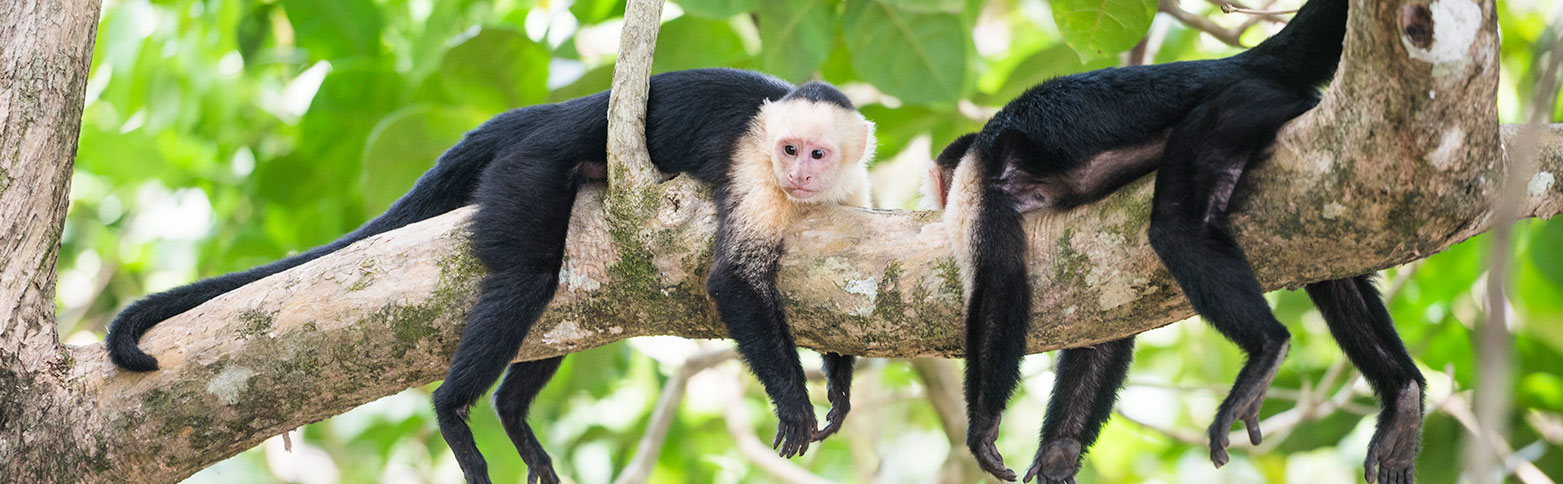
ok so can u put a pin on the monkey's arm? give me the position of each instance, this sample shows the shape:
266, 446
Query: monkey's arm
742, 285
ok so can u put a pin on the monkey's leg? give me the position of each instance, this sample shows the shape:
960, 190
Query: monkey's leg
512, 400
1088, 382
1362, 327
997, 314
1204, 159
750, 307
518, 232
838, 389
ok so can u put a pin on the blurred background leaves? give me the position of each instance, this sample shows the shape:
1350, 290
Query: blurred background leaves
221, 134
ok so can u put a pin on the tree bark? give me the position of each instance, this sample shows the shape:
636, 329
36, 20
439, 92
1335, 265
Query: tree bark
46, 434
1398, 162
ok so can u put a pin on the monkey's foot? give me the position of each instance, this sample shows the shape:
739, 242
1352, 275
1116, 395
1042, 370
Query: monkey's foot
1248, 394
1392, 453
1057, 462
840, 404
539, 467
544, 475
980, 437
794, 431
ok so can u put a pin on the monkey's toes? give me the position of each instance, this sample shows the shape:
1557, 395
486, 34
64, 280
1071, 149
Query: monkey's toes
541, 475
1056, 462
833, 420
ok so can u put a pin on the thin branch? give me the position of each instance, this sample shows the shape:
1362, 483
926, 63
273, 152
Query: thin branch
1494, 343
662, 416
741, 428
1230, 8
1457, 406
1200, 23
1254, 19
944, 392
629, 164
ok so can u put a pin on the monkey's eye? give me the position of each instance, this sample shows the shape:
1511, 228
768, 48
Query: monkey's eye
791, 150
817, 154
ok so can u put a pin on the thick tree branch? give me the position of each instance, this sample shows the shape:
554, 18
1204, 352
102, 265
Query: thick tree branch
385, 314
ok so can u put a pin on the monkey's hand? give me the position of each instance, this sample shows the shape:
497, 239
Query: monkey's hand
1056, 462
794, 431
981, 435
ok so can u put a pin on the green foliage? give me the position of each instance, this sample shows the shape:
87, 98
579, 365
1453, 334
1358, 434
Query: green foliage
1098, 28
930, 51
796, 38
219, 135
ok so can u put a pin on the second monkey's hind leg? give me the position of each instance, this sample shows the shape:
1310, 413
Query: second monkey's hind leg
1083, 395
1364, 331
1205, 158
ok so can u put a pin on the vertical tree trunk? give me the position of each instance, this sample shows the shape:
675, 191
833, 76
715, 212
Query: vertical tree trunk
45, 52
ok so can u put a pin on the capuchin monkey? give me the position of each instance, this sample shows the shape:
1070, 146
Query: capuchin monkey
1200, 124
772, 152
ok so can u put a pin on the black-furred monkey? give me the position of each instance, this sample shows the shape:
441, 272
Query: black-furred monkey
770, 150
1200, 125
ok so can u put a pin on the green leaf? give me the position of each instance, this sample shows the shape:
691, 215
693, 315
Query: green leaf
595, 11
917, 57
1099, 28
252, 31
1050, 62
596, 80
721, 9
1549, 262
404, 145
336, 28
718, 45
795, 38
496, 70
941, 6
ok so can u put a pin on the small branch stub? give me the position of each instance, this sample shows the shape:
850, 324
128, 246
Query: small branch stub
629, 165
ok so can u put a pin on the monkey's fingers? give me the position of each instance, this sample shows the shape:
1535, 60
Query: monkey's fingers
792, 438
1370, 465
993, 463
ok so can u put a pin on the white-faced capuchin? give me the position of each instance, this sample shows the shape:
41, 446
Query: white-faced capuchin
1199, 125
770, 149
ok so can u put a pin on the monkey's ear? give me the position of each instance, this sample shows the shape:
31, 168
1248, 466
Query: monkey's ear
953, 152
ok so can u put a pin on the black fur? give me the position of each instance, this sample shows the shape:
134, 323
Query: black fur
523, 169
820, 92
1075, 139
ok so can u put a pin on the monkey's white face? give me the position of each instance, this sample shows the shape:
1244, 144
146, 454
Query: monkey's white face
814, 146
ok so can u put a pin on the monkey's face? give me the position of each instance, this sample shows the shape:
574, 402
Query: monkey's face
814, 146
806, 166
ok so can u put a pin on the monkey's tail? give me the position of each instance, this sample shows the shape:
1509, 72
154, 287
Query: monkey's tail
445, 187
1306, 52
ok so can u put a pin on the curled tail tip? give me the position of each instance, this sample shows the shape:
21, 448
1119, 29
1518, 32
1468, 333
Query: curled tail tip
127, 355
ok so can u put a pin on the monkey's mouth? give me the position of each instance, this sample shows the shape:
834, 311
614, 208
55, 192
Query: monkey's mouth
801, 193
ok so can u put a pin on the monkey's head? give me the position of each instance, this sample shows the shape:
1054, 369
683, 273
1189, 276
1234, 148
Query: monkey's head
936, 186
819, 144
